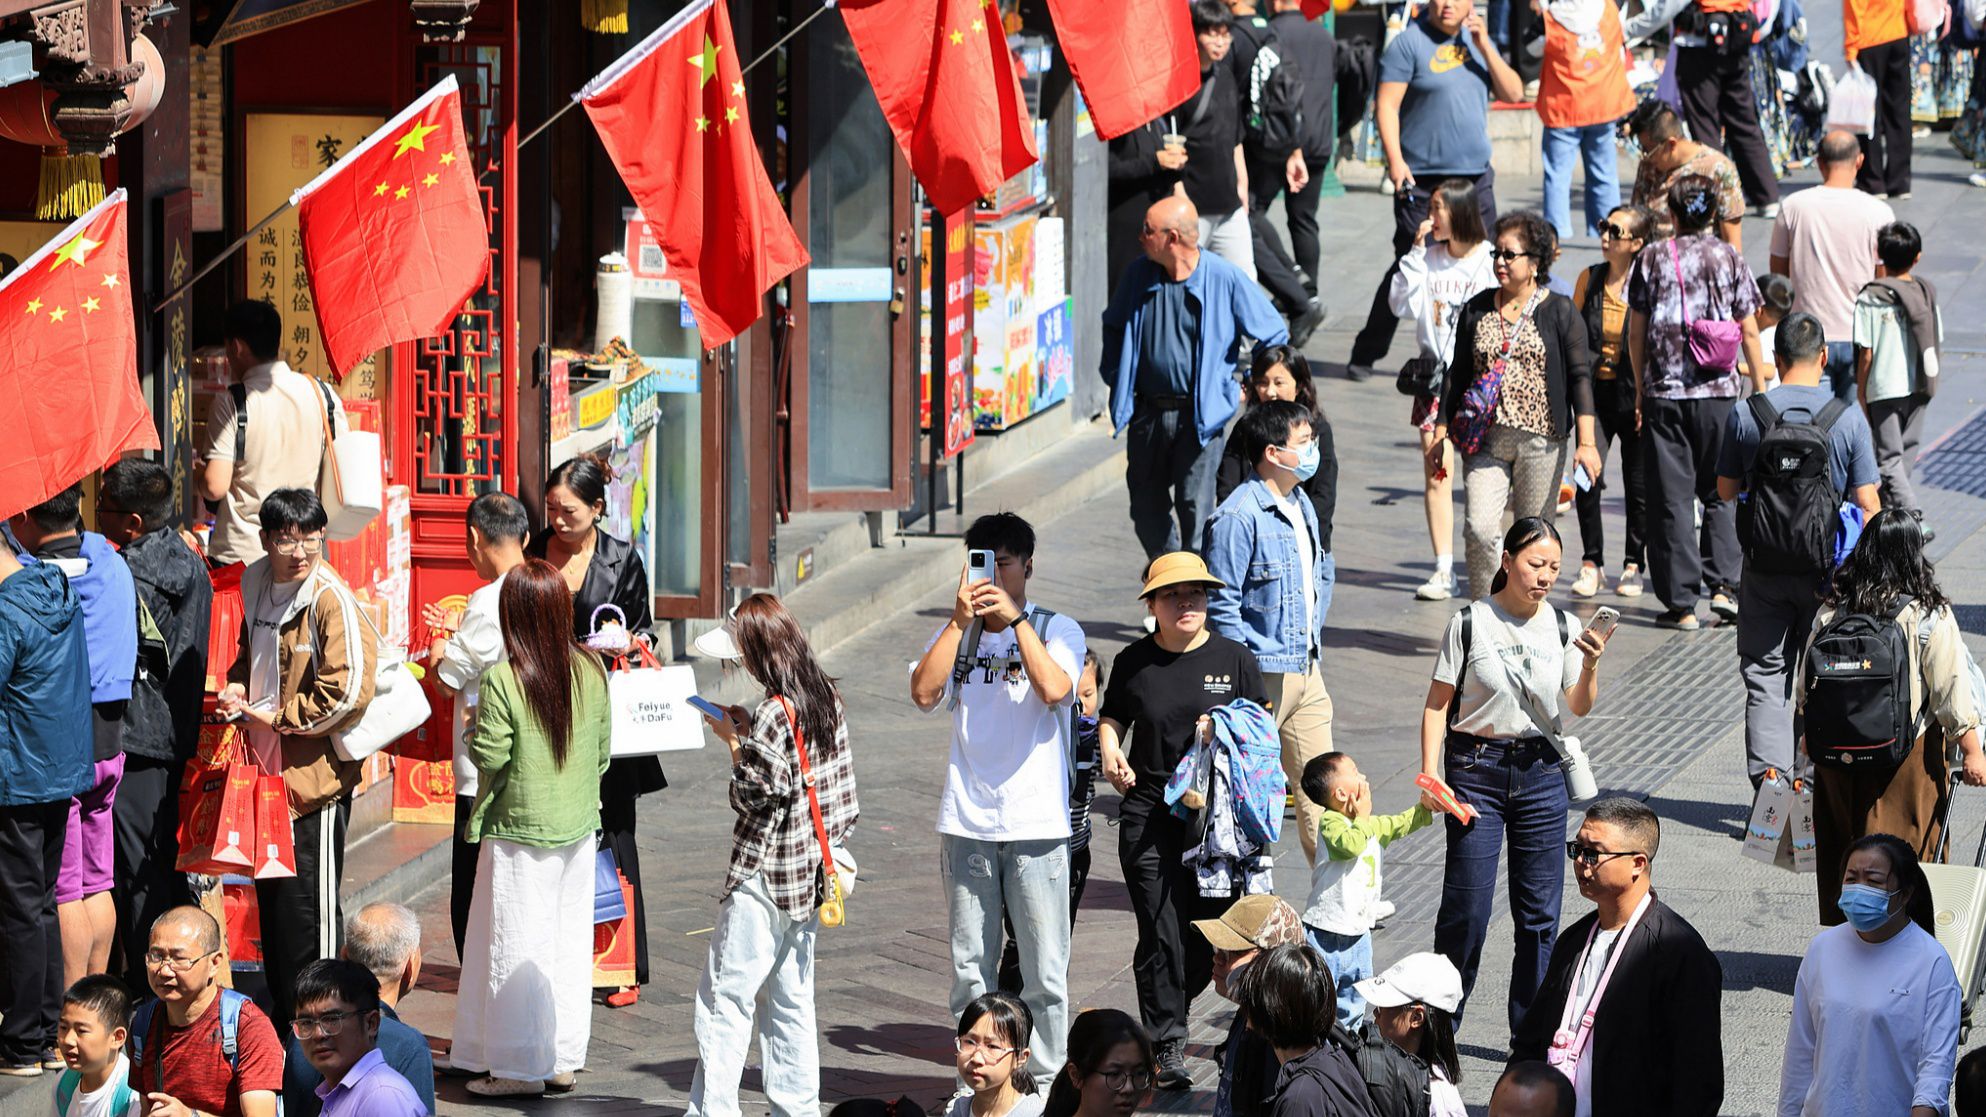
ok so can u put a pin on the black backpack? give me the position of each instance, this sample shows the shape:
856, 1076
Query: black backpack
1791, 509
1857, 681
1395, 1079
1273, 123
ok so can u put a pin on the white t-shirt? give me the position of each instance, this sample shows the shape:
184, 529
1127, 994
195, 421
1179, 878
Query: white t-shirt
1502, 648
1027, 1105
96, 1103
1008, 780
265, 667
1444, 1097
1828, 236
1306, 553
476, 647
1882, 1018
1431, 287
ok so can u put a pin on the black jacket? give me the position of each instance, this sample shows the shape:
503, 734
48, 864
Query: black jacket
1568, 362
162, 721
617, 576
1324, 1083
1313, 50
1657, 1049
1249, 1070
1322, 488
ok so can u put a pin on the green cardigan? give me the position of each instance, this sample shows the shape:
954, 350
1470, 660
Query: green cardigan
522, 795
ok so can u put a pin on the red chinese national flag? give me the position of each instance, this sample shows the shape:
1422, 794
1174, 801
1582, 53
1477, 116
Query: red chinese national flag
671, 114
1134, 59
393, 234
69, 397
945, 79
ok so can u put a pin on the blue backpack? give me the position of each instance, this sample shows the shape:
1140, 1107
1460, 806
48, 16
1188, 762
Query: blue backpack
121, 1099
143, 1021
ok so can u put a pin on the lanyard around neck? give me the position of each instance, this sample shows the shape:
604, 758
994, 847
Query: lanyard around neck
1574, 1040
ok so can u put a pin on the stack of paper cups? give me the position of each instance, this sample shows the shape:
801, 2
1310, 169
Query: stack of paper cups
615, 286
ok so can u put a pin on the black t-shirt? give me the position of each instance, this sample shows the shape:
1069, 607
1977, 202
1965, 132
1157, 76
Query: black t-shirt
1209, 173
1159, 697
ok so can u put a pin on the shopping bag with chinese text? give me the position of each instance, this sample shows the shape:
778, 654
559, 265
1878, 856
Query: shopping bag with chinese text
275, 841
220, 814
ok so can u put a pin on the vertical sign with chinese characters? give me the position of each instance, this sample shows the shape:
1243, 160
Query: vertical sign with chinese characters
283, 151
175, 385
957, 321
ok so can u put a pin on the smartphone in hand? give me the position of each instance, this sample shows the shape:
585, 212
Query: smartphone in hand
1603, 621
978, 567
709, 708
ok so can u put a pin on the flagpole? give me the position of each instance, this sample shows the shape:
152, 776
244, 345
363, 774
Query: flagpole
207, 268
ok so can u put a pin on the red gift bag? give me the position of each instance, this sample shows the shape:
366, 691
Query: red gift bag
220, 820
275, 841
613, 945
244, 924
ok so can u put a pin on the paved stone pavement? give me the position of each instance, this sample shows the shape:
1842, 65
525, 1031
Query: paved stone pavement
882, 981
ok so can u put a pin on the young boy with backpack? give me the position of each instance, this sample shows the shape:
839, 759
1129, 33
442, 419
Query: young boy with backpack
95, 1023
1795, 454
1897, 331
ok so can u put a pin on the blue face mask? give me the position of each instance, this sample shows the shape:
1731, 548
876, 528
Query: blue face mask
1866, 906
1307, 461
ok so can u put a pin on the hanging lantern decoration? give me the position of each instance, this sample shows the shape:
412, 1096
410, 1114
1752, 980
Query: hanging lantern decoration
604, 17
72, 183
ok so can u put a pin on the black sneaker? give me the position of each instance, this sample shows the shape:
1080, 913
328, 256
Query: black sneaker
1306, 323
1358, 372
1172, 1066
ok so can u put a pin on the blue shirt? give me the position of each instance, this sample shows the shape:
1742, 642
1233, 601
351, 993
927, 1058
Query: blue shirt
1230, 305
1252, 546
1165, 355
371, 1089
1444, 118
403, 1049
1851, 452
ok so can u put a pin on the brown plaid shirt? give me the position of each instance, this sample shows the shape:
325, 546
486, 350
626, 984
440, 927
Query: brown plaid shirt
774, 835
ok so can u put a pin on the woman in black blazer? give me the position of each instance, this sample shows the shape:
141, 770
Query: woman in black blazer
602, 569
1532, 342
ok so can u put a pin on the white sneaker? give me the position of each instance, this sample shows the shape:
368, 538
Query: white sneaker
1630, 583
1590, 579
1977, 178
1383, 910
1439, 587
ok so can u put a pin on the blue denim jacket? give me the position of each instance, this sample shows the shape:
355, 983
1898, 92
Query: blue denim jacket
1251, 545
1230, 305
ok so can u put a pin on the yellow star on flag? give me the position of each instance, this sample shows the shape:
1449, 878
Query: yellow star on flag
414, 139
706, 61
958, 37
431, 179
731, 114
75, 251
110, 279
979, 25
91, 303
447, 158
400, 193
702, 124
34, 306
379, 190
57, 314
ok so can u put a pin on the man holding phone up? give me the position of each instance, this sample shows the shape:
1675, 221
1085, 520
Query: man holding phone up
1009, 671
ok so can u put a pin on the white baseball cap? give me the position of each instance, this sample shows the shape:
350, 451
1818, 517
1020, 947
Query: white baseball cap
1428, 979
721, 642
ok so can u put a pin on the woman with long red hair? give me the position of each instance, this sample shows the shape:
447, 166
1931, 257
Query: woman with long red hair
766, 924
523, 1016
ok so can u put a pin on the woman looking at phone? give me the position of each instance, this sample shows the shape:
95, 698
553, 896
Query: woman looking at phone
1505, 662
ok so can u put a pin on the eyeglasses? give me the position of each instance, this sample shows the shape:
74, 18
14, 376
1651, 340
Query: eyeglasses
329, 1024
1137, 1078
297, 546
1590, 856
1611, 231
157, 958
1504, 255
969, 1046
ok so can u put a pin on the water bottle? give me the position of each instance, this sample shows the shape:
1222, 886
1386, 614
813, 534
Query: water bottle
1579, 785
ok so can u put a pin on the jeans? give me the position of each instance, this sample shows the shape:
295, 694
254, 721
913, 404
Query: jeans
1613, 418
1898, 426
1350, 959
1520, 796
1513, 470
1170, 476
1172, 963
1010, 955
1028, 882
1230, 237
1841, 370
1594, 146
1681, 438
1775, 614
1409, 210
757, 948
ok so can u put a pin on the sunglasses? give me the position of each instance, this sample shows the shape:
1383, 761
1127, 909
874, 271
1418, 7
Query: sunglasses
1590, 855
1611, 231
1504, 256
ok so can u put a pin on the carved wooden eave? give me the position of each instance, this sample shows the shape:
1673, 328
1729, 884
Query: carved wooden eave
442, 21
83, 50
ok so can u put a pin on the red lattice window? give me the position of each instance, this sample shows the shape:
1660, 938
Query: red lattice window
458, 386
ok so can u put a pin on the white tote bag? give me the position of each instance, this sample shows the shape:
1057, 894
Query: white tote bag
1853, 108
399, 705
351, 478
651, 705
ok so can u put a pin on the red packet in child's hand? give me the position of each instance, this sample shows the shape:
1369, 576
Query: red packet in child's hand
1444, 795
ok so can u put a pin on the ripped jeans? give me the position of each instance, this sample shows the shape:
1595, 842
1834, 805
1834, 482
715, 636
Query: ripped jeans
1030, 882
